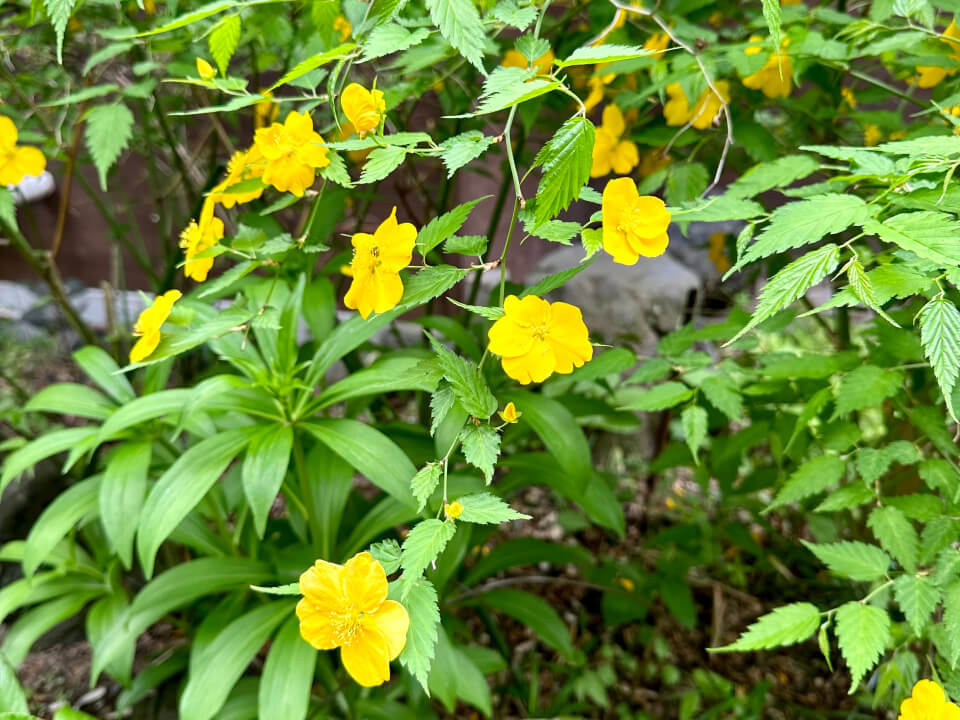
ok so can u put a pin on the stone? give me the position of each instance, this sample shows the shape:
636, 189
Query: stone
16, 300
638, 303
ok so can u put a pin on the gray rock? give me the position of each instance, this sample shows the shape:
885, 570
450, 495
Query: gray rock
639, 302
16, 300
692, 250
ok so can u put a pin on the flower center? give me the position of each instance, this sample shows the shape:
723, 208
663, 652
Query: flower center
540, 332
346, 626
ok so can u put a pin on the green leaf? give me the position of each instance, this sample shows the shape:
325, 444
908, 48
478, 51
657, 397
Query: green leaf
59, 12
896, 534
849, 496
535, 613
12, 697
811, 478
371, 452
8, 211
509, 13
223, 41
100, 367
783, 626
312, 63
423, 546
388, 554
566, 160
444, 226
593, 54
381, 162
288, 589
464, 148
121, 496
506, 87
804, 222
466, 380
775, 175
459, 23
263, 470
592, 240
51, 443
863, 632
440, 403
425, 482
182, 487
938, 474
220, 664
951, 621
108, 131
917, 596
558, 279
284, 692
472, 245
716, 209
659, 397
33, 624
855, 560
867, 386
481, 447
487, 509
723, 394
771, 14
558, 231
693, 420
792, 282
940, 337
421, 603
74, 398
391, 38
686, 181
931, 235
67, 511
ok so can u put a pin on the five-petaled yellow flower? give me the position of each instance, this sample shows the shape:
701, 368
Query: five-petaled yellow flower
929, 76
377, 262
244, 165
265, 111
677, 109
292, 152
774, 79
148, 325
633, 225
17, 161
346, 607
196, 238
515, 58
928, 702
609, 151
205, 70
535, 339
510, 414
363, 108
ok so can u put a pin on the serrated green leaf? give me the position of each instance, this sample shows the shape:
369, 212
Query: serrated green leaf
420, 600
566, 160
223, 41
490, 313
288, 589
855, 560
786, 625
938, 474
444, 226
593, 54
422, 547
659, 397
686, 181
381, 162
466, 380
459, 23
440, 403
592, 239
863, 632
107, 133
487, 509
425, 482
775, 175
951, 621
464, 148
481, 447
939, 533
723, 394
918, 597
867, 386
473, 245
552, 282
509, 13
896, 534
947, 566
693, 420
388, 554
792, 282
933, 236
312, 63
391, 38
8, 211
940, 337
59, 12
811, 478
849, 496
771, 14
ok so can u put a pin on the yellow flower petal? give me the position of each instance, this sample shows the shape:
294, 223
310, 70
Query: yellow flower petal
510, 414
205, 70
568, 337
322, 585
363, 108
364, 582
367, 657
316, 627
144, 347
8, 133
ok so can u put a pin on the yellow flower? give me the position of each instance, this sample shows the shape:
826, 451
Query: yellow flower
205, 70
718, 252
377, 262
363, 107
658, 42
596, 83
774, 79
199, 237
265, 111
16, 161
849, 97
627, 584
609, 151
535, 339
514, 58
343, 26
928, 702
453, 510
676, 111
510, 414
901, 134
346, 607
633, 225
150, 7
931, 75
872, 135
292, 153
709, 106
356, 156
244, 165
147, 327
